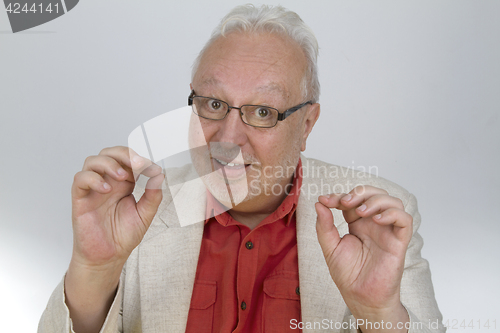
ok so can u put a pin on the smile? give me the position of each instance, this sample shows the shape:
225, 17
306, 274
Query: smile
228, 163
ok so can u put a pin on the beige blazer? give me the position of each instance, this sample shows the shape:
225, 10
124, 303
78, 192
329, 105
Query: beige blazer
157, 282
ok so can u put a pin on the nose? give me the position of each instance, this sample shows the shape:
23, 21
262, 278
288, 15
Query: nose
232, 129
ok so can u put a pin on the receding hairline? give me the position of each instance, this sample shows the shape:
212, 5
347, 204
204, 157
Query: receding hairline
277, 20
271, 86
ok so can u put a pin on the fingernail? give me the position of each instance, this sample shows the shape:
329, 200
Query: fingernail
378, 217
156, 183
137, 160
121, 172
362, 208
106, 186
347, 198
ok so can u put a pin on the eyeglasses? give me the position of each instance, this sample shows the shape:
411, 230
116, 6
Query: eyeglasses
253, 115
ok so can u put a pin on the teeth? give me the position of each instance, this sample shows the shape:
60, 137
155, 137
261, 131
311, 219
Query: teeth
228, 164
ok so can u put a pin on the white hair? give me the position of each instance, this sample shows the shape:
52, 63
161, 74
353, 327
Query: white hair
279, 20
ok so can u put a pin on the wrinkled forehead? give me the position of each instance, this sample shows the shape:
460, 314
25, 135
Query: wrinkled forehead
211, 83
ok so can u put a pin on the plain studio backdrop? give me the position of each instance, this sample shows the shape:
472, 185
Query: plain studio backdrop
409, 88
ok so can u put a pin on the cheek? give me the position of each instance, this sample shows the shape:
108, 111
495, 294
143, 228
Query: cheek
199, 134
196, 136
271, 149
264, 152
290, 146
206, 129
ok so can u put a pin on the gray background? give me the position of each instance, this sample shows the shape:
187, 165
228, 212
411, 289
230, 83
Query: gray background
409, 87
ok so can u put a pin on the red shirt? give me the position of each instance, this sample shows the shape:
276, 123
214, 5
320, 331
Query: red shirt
247, 280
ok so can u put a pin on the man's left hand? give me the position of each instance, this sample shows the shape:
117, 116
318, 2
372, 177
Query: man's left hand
367, 264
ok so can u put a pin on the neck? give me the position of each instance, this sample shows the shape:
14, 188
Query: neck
251, 220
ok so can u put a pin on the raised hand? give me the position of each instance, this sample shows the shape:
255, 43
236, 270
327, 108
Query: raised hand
107, 225
367, 264
107, 222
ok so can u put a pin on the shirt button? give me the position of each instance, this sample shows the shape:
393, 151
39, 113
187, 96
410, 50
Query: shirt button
249, 245
243, 305
297, 291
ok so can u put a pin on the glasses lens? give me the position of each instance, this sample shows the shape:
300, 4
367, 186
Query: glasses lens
209, 108
259, 116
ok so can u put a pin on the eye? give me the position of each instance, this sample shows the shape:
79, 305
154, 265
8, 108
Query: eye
262, 112
214, 104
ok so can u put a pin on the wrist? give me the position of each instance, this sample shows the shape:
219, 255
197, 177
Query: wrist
392, 319
99, 277
87, 286
89, 293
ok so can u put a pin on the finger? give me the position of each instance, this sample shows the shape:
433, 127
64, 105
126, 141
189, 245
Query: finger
147, 206
328, 235
121, 154
360, 194
128, 157
86, 181
355, 198
144, 166
399, 218
152, 171
102, 165
332, 200
377, 204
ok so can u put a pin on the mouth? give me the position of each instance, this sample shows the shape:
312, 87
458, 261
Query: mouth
230, 170
230, 164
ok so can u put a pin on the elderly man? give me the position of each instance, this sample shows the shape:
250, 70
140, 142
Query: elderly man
267, 255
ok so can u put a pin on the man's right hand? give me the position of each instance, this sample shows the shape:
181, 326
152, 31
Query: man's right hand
107, 225
107, 222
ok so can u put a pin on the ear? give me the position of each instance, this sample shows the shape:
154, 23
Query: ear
190, 86
312, 115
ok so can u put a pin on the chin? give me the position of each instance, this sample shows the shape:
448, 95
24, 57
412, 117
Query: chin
228, 193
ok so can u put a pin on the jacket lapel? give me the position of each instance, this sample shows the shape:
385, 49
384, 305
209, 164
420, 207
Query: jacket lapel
167, 263
168, 259
320, 297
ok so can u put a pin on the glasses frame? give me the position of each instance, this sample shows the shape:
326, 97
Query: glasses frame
281, 115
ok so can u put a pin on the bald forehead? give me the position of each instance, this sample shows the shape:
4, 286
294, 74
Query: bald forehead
261, 62
271, 87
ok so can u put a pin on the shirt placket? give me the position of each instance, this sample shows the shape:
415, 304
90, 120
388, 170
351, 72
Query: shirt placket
246, 273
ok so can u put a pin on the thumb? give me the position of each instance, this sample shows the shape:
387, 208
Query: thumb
328, 235
150, 200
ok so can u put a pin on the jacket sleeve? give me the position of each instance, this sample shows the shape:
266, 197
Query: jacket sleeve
56, 317
417, 293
